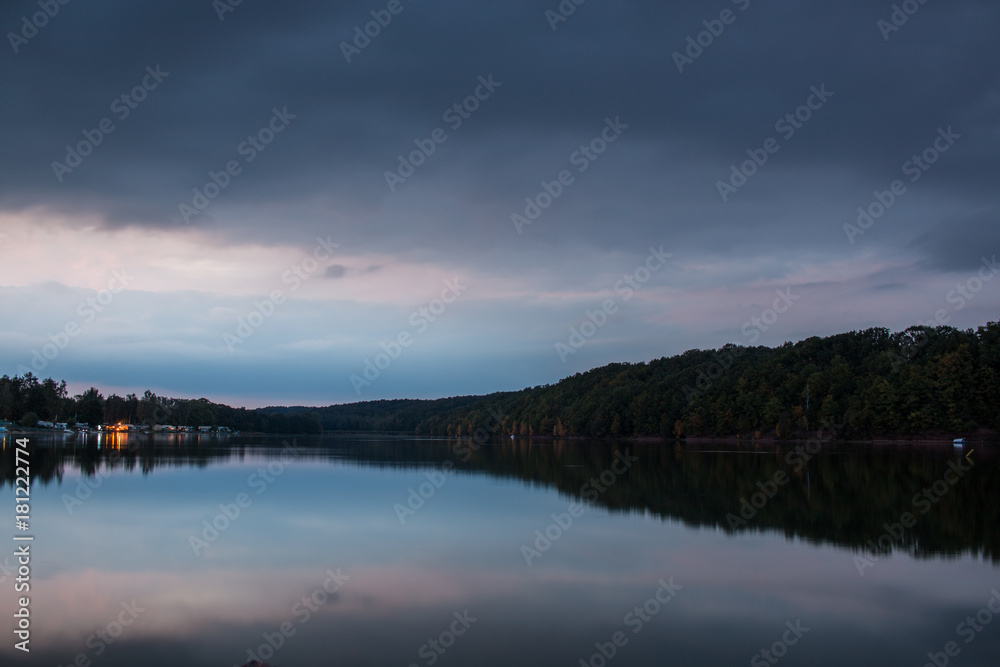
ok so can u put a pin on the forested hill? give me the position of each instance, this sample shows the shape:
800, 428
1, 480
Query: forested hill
875, 382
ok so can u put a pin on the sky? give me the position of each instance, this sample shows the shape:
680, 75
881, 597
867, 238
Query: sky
312, 203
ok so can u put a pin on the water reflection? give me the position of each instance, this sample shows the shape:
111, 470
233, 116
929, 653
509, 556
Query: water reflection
843, 496
329, 509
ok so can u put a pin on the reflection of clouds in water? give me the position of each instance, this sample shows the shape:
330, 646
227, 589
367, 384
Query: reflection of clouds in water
184, 604
130, 543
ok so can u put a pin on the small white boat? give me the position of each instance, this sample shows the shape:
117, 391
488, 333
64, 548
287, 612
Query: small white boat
959, 442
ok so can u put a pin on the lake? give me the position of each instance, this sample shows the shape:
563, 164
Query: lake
363, 550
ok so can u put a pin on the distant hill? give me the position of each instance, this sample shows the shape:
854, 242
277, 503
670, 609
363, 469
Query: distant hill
918, 382
867, 383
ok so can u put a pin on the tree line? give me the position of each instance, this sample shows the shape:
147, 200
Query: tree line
915, 382
27, 400
921, 381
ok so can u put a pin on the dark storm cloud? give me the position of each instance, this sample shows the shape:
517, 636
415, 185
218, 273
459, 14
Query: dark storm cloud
608, 59
960, 244
335, 271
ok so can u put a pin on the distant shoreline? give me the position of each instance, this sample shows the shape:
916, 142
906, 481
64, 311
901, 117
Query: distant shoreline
982, 437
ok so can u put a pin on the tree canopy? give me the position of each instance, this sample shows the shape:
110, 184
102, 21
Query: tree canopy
915, 382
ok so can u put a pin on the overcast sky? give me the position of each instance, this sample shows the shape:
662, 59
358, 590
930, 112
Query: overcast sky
258, 200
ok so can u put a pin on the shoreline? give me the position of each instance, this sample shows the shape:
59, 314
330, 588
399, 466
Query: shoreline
981, 437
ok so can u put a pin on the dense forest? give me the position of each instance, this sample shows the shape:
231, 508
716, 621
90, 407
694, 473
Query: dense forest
873, 382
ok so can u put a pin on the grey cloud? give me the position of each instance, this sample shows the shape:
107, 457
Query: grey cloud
959, 244
324, 174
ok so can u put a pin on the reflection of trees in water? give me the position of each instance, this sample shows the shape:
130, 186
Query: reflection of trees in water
843, 496
49, 460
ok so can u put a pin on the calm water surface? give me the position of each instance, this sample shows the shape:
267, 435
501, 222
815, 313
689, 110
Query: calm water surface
399, 551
